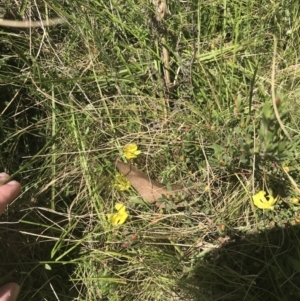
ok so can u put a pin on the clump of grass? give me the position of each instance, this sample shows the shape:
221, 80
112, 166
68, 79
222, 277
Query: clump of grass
77, 93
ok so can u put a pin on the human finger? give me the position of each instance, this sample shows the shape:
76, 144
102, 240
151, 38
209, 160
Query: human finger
9, 292
8, 191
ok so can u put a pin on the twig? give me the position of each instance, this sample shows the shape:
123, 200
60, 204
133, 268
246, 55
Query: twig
31, 24
273, 90
165, 54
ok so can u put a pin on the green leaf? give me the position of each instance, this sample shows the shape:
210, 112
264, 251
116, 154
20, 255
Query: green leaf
267, 111
48, 267
281, 146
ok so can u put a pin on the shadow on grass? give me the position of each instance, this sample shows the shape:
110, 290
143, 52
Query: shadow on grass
254, 267
26, 247
26, 259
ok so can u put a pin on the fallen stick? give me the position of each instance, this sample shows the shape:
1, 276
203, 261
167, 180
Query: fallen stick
31, 24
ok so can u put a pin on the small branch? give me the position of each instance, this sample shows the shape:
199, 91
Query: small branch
31, 24
166, 60
273, 90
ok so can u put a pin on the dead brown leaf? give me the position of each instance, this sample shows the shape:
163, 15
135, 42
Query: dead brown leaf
161, 9
148, 189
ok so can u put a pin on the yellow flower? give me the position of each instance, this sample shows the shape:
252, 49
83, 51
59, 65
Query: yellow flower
295, 200
262, 202
121, 182
131, 151
120, 217
207, 188
286, 169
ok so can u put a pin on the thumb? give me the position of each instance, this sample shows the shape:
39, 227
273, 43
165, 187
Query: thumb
9, 292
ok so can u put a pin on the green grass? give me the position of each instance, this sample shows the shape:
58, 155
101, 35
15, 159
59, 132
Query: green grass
74, 95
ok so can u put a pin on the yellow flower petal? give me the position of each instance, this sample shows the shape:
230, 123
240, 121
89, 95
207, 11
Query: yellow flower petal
120, 217
121, 182
295, 200
132, 147
262, 202
131, 151
120, 207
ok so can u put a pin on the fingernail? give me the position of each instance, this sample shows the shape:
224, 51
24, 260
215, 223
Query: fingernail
3, 175
12, 292
12, 183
